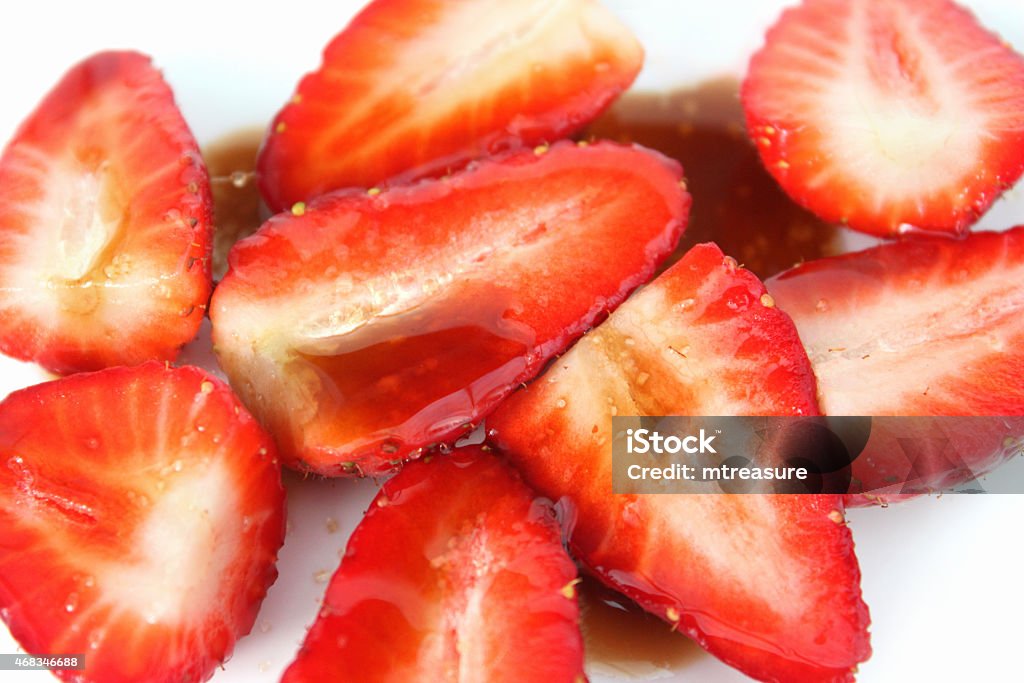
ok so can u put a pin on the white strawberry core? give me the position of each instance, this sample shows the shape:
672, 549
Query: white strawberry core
84, 232
629, 366
183, 548
904, 120
61, 263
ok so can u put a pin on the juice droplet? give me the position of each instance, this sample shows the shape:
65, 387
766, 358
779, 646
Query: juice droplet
231, 161
95, 639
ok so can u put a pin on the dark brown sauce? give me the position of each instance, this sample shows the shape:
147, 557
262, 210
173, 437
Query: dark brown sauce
231, 162
735, 202
621, 639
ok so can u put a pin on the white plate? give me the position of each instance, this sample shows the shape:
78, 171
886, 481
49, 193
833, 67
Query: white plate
941, 575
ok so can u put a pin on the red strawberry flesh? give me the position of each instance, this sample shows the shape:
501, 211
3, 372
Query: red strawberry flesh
420, 87
457, 573
375, 324
767, 583
142, 511
924, 327
890, 115
104, 222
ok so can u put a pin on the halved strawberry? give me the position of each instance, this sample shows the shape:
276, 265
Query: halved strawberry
457, 573
889, 115
104, 222
768, 583
363, 327
907, 457
926, 327
413, 88
142, 510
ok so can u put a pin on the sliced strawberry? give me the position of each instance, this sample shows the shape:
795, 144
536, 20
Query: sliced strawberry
104, 222
889, 115
925, 327
457, 573
904, 458
142, 510
364, 326
768, 583
413, 88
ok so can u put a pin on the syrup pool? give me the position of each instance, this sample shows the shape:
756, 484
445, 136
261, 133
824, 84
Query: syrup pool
621, 640
231, 163
736, 203
482, 352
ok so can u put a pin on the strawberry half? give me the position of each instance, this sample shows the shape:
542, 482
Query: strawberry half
363, 327
142, 510
104, 222
906, 458
768, 583
457, 573
888, 115
415, 88
926, 327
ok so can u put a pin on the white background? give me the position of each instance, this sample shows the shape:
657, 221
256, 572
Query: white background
942, 576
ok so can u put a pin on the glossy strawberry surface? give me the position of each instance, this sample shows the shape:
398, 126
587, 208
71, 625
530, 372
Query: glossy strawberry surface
142, 511
367, 326
415, 88
768, 583
105, 221
456, 573
892, 116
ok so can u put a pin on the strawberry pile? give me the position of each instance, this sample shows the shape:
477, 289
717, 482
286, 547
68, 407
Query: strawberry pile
450, 253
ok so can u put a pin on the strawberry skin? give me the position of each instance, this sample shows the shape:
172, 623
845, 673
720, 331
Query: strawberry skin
415, 88
142, 511
892, 116
366, 326
923, 327
456, 573
768, 583
105, 220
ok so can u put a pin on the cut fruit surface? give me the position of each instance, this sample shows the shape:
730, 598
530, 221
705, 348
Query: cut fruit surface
767, 583
104, 222
142, 511
363, 327
924, 327
413, 88
457, 573
890, 115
